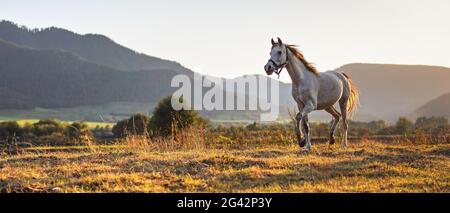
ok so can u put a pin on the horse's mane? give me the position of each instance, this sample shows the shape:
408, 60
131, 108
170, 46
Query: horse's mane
297, 53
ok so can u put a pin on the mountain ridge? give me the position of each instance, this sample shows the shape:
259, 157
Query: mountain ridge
55, 79
438, 107
93, 47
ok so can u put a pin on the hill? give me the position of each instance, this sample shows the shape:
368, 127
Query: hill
62, 82
57, 79
389, 91
67, 58
95, 48
439, 107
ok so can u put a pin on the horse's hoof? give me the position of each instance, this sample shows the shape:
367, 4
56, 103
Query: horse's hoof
344, 146
306, 149
332, 141
302, 143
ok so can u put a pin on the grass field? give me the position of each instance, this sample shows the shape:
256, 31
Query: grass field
106, 112
366, 166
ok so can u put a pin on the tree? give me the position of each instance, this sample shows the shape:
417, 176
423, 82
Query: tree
432, 124
403, 126
10, 129
135, 125
78, 130
165, 117
119, 130
47, 127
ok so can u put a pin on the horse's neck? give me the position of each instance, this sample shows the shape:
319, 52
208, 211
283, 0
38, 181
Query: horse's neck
296, 69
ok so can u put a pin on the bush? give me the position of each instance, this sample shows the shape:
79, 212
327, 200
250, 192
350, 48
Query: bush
47, 127
78, 131
404, 126
135, 125
10, 129
165, 118
119, 130
433, 125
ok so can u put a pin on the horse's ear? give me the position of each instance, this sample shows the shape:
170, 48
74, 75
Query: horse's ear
279, 41
273, 42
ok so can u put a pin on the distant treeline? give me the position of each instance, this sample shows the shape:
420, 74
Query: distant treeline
168, 123
403, 126
44, 132
51, 132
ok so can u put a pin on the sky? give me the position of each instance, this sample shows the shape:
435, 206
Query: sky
231, 38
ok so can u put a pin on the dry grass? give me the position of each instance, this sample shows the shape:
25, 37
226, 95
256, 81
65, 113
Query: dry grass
188, 163
189, 138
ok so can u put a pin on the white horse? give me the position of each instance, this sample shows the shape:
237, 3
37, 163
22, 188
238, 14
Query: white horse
313, 90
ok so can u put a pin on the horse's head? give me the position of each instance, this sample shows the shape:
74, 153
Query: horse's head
278, 58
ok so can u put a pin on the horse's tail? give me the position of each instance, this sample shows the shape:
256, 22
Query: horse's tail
353, 100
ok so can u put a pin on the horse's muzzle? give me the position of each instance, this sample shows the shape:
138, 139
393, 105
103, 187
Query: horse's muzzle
269, 69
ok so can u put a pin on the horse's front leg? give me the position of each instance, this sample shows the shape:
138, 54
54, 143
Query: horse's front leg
301, 141
309, 107
298, 130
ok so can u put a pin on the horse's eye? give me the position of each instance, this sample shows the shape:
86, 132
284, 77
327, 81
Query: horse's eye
279, 52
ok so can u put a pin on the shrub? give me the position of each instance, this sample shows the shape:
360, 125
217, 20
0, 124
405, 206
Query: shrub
77, 131
404, 126
10, 129
433, 125
47, 127
119, 130
165, 118
135, 125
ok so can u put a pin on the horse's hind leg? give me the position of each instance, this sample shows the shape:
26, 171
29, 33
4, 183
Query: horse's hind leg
343, 105
336, 115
